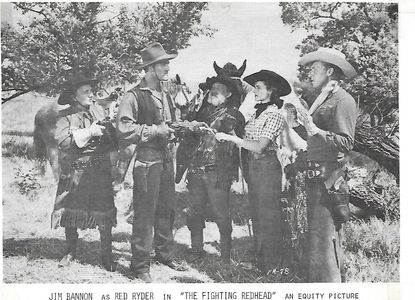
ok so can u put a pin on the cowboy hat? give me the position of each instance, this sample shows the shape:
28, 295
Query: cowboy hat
331, 56
154, 53
74, 82
272, 78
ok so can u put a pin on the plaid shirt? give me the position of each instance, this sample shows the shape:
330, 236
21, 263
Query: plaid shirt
269, 125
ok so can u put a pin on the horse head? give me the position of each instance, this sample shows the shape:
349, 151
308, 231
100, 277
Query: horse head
229, 69
178, 91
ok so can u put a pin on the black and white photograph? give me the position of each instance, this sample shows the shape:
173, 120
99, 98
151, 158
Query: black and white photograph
200, 142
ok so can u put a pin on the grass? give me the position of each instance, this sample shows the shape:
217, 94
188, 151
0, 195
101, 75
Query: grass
18, 146
31, 249
372, 251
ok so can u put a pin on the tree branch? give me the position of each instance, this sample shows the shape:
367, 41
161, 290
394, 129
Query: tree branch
5, 100
109, 20
23, 7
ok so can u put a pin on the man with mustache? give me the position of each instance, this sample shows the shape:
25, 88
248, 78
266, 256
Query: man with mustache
213, 166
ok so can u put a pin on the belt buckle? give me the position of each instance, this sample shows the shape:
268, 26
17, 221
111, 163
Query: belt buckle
311, 174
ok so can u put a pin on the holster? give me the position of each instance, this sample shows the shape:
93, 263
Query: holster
335, 183
338, 197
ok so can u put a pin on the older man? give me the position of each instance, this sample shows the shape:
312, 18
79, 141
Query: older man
212, 165
330, 123
142, 119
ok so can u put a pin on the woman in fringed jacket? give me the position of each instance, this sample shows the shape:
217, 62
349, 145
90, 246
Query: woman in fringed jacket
84, 198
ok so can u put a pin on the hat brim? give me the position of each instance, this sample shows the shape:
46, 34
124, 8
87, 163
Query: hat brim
158, 59
343, 64
68, 85
273, 78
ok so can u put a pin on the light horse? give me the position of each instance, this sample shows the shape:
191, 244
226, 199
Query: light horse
45, 145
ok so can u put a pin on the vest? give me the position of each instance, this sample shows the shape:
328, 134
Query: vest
149, 114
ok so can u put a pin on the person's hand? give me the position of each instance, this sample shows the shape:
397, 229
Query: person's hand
196, 126
291, 119
309, 125
164, 131
302, 114
220, 136
96, 130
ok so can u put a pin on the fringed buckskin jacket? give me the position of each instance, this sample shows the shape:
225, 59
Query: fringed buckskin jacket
84, 198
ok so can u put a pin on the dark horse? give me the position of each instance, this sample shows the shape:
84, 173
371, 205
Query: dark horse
199, 108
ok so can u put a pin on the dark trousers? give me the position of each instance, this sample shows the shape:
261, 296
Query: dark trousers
154, 202
264, 191
202, 190
324, 244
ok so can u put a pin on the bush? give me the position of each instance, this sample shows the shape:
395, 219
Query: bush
27, 182
372, 251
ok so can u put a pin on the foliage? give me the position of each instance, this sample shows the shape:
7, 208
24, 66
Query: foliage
60, 37
27, 182
367, 34
372, 251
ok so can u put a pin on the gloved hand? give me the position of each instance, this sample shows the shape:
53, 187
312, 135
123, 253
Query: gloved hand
164, 131
307, 120
196, 126
95, 129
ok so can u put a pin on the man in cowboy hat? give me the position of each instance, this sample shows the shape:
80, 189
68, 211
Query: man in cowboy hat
142, 119
212, 165
330, 124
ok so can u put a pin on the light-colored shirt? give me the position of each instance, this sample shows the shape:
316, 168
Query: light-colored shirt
336, 117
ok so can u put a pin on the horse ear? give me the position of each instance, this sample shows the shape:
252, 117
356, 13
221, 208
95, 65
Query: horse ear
241, 70
178, 80
218, 69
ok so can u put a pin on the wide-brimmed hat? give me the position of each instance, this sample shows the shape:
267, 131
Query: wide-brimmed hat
228, 82
331, 56
272, 78
75, 81
154, 53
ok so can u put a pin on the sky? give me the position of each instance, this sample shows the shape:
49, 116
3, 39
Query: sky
245, 30
252, 31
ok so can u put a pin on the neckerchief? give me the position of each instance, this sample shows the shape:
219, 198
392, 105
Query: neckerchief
260, 107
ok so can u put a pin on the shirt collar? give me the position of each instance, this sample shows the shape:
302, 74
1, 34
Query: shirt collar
331, 87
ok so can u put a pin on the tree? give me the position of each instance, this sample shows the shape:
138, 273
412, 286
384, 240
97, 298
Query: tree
62, 37
367, 34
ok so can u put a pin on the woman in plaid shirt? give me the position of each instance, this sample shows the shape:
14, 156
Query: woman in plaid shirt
261, 139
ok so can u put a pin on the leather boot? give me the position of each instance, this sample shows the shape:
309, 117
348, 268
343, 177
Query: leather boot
71, 236
196, 252
225, 247
106, 248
